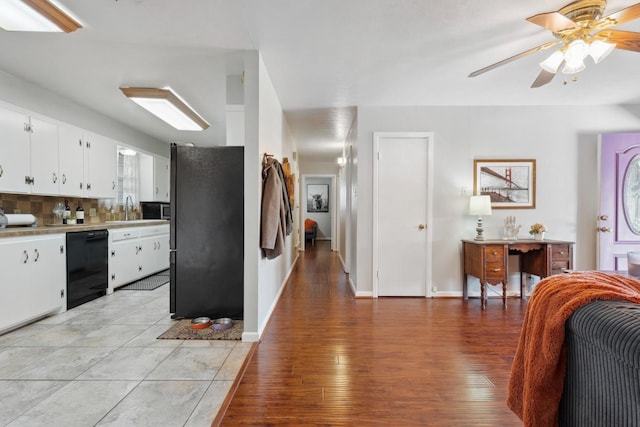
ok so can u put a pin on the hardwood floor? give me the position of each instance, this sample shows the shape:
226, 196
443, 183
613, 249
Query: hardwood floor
330, 359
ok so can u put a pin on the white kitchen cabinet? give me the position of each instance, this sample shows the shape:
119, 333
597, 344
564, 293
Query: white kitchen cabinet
15, 171
124, 245
161, 179
71, 156
154, 249
33, 278
100, 166
154, 178
45, 175
137, 252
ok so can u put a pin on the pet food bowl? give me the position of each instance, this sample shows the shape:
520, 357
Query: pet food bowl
222, 323
200, 323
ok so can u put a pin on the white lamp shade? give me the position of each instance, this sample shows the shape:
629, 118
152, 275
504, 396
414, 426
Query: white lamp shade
577, 51
600, 50
480, 205
552, 63
573, 67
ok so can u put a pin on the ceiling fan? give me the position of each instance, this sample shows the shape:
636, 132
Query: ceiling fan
582, 31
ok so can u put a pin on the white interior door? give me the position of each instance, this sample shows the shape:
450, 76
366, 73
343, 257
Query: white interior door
619, 218
402, 212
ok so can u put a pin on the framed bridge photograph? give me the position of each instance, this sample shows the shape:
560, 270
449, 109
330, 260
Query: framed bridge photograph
511, 183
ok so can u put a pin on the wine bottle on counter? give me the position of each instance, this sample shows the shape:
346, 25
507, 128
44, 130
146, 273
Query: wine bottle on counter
80, 213
67, 211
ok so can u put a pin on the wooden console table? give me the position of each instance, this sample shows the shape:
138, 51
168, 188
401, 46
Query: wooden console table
488, 261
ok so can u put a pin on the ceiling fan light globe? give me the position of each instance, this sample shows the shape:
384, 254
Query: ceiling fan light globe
552, 63
599, 50
573, 67
576, 52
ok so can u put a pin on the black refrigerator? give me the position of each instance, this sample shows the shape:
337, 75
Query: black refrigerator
207, 232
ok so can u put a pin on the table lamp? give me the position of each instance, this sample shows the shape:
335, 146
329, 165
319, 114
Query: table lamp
479, 205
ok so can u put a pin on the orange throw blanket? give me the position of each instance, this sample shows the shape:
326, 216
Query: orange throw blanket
538, 370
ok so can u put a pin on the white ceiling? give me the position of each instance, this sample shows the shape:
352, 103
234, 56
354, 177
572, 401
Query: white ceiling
323, 56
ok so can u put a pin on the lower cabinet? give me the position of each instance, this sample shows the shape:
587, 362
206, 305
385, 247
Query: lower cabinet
137, 252
33, 278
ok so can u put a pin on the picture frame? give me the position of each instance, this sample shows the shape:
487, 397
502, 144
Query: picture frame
317, 197
511, 183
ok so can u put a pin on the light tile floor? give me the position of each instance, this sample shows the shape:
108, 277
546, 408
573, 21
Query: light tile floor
100, 364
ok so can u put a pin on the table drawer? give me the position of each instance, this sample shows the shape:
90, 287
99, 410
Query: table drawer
559, 252
494, 270
494, 254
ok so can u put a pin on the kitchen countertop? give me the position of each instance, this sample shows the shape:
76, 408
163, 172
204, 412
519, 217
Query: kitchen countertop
20, 231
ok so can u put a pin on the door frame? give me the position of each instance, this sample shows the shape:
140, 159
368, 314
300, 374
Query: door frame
377, 138
332, 210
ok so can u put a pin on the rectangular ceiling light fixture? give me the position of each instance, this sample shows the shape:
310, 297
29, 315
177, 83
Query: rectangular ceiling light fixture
35, 15
166, 105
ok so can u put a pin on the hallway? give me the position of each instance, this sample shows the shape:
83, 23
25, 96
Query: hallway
327, 358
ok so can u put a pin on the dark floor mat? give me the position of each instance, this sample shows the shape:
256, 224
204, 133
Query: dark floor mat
148, 283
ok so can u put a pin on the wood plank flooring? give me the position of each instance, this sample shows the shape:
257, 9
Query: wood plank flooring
330, 359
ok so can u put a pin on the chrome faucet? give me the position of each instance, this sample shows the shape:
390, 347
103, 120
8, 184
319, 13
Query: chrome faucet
128, 205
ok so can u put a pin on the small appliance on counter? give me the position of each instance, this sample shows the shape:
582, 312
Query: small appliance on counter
156, 210
17, 219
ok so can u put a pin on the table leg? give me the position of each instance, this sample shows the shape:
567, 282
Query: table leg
465, 289
523, 285
483, 295
504, 295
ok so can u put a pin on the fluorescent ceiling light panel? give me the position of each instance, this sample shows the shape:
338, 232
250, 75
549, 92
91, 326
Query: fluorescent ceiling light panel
35, 15
167, 106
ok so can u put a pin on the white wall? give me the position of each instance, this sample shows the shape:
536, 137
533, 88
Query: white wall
274, 138
563, 140
42, 101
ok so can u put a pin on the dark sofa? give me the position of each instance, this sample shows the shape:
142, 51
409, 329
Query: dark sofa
602, 382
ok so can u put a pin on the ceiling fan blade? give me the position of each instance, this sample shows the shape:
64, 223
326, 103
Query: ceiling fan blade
544, 77
625, 15
514, 57
626, 40
554, 21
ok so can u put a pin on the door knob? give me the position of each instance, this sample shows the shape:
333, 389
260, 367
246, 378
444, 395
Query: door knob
605, 229
421, 227
604, 218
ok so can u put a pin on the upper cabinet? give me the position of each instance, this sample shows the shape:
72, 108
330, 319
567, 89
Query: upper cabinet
40, 156
100, 166
15, 170
161, 177
154, 178
71, 143
45, 174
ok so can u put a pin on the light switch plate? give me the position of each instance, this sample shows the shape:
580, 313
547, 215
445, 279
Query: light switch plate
92, 212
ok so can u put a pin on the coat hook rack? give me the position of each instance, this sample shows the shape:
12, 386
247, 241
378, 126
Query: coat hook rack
266, 157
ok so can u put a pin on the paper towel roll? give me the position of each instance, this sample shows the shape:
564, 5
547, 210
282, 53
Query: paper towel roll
21, 219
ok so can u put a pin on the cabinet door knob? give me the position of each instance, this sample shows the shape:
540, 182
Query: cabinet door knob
604, 218
55, 178
64, 178
605, 229
26, 257
421, 227
36, 255
1, 170
495, 270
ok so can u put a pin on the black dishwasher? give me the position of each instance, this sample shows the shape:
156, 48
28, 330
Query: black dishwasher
87, 266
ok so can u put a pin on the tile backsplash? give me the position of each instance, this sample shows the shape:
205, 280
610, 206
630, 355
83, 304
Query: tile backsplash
95, 210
